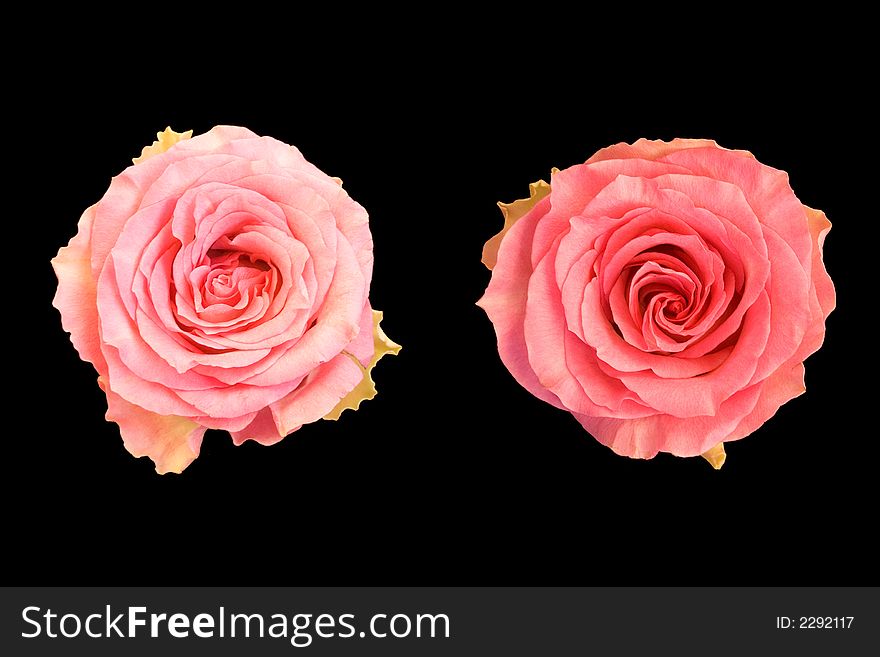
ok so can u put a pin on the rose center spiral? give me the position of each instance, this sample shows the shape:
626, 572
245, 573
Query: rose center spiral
232, 275
675, 307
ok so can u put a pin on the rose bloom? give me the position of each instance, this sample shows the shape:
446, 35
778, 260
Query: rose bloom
666, 294
221, 282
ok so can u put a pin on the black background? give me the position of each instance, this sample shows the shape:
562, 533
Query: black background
453, 474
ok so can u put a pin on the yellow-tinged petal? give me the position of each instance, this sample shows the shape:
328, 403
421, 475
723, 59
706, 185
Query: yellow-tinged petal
366, 389
513, 212
716, 456
171, 442
164, 140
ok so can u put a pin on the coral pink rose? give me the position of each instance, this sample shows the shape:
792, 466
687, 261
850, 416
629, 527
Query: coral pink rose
221, 282
666, 294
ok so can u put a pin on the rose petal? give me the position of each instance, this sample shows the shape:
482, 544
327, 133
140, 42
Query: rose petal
164, 140
75, 297
505, 301
171, 442
366, 389
822, 294
652, 149
262, 429
512, 213
321, 391
766, 189
551, 353
688, 397
782, 386
716, 456
645, 437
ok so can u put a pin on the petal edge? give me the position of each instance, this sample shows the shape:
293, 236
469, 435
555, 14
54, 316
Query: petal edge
513, 212
171, 442
366, 389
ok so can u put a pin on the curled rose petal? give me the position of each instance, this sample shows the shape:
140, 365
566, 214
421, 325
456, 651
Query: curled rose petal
513, 212
221, 282
716, 456
172, 442
164, 140
664, 293
366, 389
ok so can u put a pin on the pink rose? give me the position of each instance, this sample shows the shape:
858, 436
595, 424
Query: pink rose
666, 294
221, 282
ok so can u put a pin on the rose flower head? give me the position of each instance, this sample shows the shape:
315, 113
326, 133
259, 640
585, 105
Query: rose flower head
666, 294
221, 282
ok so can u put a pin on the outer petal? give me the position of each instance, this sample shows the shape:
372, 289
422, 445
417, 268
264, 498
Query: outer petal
342, 383
505, 301
554, 358
819, 228
822, 294
127, 190
644, 437
716, 456
366, 388
513, 212
765, 188
75, 297
782, 386
652, 149
171, 442
164, 140
262, 429
320, 392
